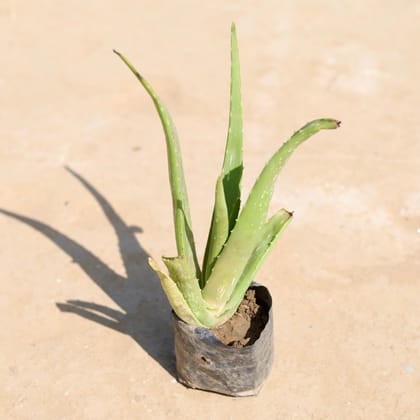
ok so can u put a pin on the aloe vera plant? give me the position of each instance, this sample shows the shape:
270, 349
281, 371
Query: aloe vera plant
239, 238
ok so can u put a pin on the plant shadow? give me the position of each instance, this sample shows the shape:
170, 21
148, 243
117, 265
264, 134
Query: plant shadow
144, 314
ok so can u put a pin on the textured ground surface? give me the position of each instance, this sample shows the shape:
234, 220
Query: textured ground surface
85, 327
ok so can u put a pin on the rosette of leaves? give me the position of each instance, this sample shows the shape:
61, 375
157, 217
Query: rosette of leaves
240, 236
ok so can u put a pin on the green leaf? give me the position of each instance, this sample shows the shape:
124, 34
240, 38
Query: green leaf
187, 283
175, 297
269, 235
219, 230
181, 213
228, 188
242, 241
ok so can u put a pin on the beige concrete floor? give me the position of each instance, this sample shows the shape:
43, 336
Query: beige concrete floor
85, 327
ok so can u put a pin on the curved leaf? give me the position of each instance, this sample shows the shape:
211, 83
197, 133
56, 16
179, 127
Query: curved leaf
187, 283
175, 298
181, 212
242, 241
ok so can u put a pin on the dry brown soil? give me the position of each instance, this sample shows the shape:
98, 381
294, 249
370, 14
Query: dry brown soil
246, 325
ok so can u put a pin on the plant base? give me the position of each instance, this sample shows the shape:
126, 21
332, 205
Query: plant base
205, 363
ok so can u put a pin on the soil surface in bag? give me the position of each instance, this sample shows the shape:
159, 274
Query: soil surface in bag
245, 327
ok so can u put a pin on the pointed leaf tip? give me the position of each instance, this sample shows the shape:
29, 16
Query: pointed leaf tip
290, 213
130, 66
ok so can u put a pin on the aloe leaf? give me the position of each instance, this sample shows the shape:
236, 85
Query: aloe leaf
175, 297
219, 230
223, 221
232, 165
188, 285
242, 241
269, 235
181, 212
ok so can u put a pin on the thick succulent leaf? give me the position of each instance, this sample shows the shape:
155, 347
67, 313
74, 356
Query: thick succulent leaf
269, 235
182, 218
228, 189
242, 241
188, 285
175, 297
218, 231
232, 165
